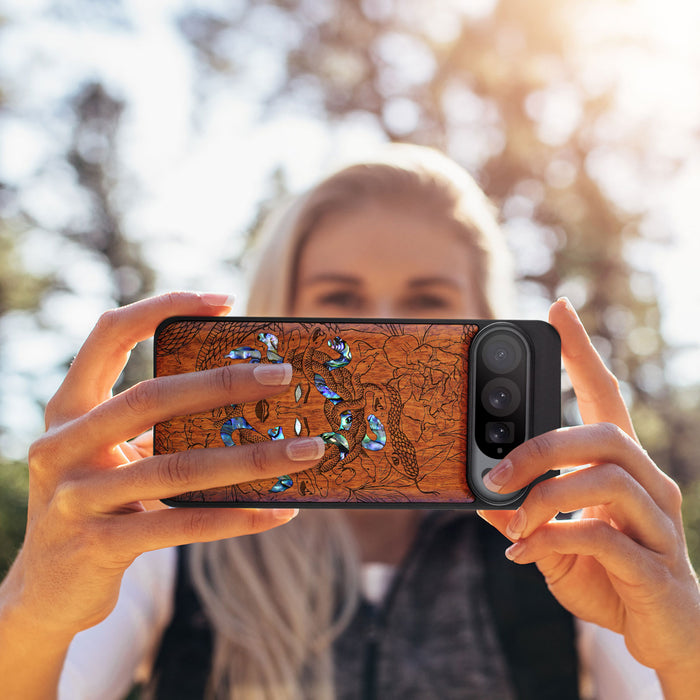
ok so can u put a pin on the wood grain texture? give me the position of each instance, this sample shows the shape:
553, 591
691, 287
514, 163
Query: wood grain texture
389, 399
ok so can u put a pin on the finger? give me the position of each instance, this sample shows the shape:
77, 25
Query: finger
618, 554
606, 486
497, 518
105, 352
579, 445
140, 407
596, 388
131, 452
142, 445
141, 532
165, 476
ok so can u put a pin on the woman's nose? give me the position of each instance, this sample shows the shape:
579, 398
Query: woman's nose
383, 308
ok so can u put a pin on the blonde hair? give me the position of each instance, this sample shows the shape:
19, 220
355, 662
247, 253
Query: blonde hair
404, 175
277, 600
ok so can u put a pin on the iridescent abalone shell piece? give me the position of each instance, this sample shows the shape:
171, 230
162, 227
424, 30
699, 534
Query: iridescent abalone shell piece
276, 433
340, 441
233, 424
321, 385
283, 483
378, 429
271, 343
345, 420
343, 348
245, 353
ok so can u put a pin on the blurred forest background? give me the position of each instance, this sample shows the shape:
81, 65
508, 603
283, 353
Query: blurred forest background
580, 119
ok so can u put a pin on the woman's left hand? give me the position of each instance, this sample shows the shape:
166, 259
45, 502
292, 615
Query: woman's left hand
623, 564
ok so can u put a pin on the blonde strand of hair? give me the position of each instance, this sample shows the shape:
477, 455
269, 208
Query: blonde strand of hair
276, 602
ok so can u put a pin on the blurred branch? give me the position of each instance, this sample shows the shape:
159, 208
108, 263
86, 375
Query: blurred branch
93, 153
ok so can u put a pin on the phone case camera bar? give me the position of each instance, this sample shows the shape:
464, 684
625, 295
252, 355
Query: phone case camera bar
391, 399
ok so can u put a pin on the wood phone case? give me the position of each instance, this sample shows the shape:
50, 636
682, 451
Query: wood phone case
390, 399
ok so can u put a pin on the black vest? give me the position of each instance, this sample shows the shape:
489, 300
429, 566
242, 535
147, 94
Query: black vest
415, 645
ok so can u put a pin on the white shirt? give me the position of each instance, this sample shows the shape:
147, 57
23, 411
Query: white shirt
104, 661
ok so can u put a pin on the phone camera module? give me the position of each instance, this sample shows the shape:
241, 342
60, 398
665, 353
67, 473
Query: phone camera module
500, 432
502, 353
500, 396
500, 390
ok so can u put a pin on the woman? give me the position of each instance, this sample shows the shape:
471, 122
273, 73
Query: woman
412, 236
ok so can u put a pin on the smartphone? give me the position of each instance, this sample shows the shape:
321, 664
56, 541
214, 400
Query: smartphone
413, 413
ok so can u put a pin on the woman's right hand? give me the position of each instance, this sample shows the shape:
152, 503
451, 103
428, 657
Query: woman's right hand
88, 516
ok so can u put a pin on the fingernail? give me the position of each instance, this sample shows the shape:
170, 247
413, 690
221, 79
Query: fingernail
569, 306
515, 550
303, 449
285, 514
273, 374
218, 299
499, 476
517, 525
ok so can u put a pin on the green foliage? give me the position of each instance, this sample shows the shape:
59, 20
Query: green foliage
691, 521
14, 484
18, 290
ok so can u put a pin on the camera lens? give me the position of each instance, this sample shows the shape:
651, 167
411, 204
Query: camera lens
502, 353
499, 432
500, 396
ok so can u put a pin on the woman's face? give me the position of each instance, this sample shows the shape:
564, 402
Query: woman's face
385, 261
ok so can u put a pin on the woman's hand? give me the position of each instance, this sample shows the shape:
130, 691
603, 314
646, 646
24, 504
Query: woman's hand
88, 513
623, 564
